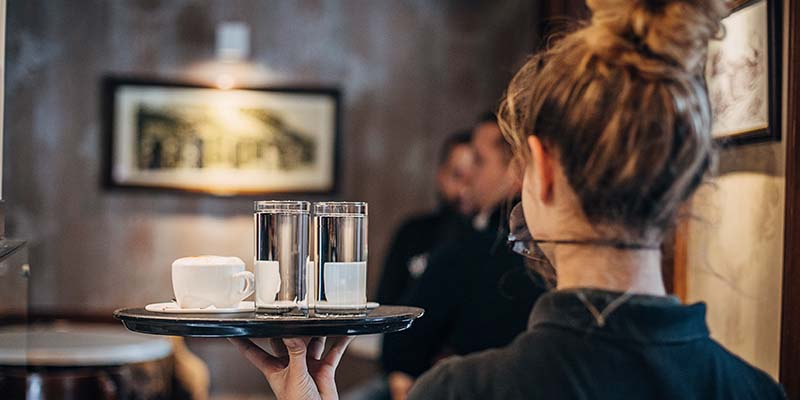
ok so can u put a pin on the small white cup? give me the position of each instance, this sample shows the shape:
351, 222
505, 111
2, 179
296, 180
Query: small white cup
200, 282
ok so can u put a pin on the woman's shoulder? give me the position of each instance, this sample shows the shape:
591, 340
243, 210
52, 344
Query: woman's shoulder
455, 378
483, 375
531, 366
747, 376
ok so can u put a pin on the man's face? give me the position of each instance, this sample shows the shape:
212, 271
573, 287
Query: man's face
491, 181
454, 178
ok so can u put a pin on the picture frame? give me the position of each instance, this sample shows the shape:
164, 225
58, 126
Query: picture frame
743, 74
172, 136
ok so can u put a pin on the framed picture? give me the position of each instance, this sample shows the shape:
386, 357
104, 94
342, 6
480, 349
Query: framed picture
743, 76
186, 137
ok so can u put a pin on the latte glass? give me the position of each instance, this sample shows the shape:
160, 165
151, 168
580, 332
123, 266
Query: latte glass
338, 278
281, 257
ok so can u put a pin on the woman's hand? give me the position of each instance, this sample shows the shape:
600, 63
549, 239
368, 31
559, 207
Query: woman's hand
399, 385
299, 370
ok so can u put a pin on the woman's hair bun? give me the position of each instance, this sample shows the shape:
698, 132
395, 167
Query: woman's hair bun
623, 106
655, 36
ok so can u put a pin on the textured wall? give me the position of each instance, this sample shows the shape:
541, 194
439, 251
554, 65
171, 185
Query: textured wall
735, 250
2, 73
410, 72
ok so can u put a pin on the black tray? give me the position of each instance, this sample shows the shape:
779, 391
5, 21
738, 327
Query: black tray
383, 319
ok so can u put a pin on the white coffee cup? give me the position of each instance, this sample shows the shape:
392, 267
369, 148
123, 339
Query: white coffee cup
204, 281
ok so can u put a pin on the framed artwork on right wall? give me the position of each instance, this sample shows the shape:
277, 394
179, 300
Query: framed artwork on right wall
743, 74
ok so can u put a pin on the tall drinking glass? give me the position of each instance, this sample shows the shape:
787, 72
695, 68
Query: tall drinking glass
339, 258
281, 257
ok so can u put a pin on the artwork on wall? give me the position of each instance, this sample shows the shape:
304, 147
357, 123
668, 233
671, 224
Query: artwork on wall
184, 137
743, 76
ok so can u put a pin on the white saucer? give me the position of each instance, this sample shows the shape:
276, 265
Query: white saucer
171, 307
325, 306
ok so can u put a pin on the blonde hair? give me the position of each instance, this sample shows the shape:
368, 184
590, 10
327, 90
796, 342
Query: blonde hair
623, 102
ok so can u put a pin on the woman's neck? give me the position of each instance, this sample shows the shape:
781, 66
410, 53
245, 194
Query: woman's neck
636, 271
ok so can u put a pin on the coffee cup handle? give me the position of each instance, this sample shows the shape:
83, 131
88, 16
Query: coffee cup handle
249, 283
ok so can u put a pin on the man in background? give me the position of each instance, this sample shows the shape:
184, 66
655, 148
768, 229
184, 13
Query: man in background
414, 240
476, 293
419, 236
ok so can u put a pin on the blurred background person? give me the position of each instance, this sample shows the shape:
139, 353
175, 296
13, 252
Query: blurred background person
476, 293
412, 243
419, 236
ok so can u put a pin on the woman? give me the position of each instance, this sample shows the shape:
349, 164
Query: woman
613, 123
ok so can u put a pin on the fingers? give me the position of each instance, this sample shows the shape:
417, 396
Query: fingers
337, 350
266, 363
316, 347
297, 349
278, 348
399, 385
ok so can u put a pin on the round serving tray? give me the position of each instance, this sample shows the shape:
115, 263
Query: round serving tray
383, 319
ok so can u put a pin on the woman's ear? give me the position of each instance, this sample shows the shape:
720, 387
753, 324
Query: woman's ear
542, 164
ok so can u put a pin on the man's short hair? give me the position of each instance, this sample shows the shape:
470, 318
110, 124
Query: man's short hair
462, 137
487, 116
502, 143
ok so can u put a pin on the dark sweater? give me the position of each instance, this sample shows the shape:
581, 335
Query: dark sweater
409, 252
476, 294
649, 348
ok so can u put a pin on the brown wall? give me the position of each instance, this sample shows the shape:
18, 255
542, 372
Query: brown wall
735, 246
410, 72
